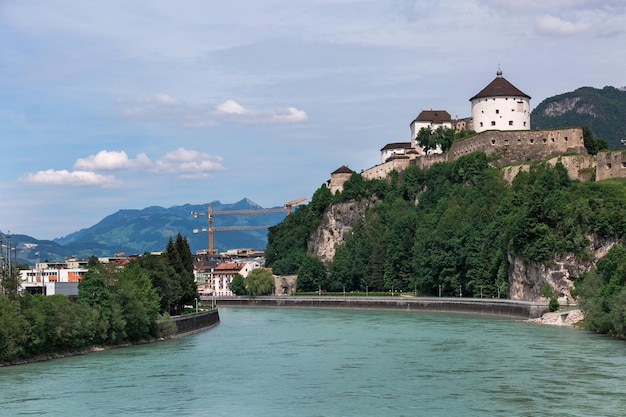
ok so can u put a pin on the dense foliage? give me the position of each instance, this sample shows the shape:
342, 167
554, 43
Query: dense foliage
451, 228
114, 305
602, 110
602, 292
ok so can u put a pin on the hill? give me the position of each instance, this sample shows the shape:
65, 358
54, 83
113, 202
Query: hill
602, 110
148, 229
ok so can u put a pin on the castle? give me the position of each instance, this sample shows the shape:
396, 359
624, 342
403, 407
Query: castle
500, 116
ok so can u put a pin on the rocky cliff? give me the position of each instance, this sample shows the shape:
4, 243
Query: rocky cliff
337, 223
527, 278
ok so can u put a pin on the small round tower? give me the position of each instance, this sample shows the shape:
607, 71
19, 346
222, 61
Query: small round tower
500, 106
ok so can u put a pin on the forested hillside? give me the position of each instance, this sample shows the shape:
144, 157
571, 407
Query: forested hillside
602, 110
450, 227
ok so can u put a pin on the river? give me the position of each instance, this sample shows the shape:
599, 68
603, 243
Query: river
317, 362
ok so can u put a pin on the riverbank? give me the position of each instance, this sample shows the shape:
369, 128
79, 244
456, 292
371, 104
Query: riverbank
186, 325
566, 318
486, 306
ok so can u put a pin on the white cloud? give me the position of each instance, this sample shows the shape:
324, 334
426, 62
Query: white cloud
550, 25
291, 115
231, 107
188, 164
166, 110
70, 178
111, 160
157, 99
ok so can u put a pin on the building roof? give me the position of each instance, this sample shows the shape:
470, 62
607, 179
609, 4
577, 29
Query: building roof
433, 116
227, 267
500, 87
397, 145
342, 170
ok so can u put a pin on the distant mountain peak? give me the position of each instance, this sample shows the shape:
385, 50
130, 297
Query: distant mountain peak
601, 110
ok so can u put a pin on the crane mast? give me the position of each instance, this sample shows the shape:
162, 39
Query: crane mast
287, 207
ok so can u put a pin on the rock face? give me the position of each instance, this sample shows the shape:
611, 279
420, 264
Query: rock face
526, 278
338, 221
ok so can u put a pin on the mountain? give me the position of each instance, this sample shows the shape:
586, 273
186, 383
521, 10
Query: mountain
602, 110
148, 230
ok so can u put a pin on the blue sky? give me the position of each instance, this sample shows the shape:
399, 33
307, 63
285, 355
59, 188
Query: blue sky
126, 104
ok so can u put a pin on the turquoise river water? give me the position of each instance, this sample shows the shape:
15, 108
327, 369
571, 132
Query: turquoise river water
316, 362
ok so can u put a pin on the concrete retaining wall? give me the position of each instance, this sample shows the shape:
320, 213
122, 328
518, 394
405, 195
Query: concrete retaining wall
496, 307
191, 323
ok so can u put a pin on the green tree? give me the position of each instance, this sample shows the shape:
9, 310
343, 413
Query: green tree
593, 145
138, 301
179, 258
93, 291
237, 285
10, 280
440, 138
312, 274
164, 280
14, 330
260, 281
602, 294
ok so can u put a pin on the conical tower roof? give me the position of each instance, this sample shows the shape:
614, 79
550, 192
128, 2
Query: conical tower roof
500, 87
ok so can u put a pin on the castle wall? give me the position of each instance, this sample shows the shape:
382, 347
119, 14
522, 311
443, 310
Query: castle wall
611, 165
520, 146
381, 171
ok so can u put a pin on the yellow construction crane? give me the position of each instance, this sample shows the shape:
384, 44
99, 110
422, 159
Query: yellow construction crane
210, 213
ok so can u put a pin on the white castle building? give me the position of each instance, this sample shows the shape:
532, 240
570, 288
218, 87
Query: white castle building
500, 106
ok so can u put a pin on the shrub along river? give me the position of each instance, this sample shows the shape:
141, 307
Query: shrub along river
317, 362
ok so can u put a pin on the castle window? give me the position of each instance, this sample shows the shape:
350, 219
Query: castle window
565, 138
493, 123
623, 164
519, 141
481, 124
608, 165
493, 141
510, 122
497, 111
544, 140
506, 141
552, 139
532, 140
524, 124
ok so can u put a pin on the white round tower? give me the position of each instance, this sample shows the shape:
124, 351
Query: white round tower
500, 106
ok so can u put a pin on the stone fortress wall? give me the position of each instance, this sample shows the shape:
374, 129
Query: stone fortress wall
611, 165
515, 149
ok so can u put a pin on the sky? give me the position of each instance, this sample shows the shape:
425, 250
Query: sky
125, 104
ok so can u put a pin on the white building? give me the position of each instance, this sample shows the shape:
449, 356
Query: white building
395, 149
430, 119
224, 273
50, 281
500, 106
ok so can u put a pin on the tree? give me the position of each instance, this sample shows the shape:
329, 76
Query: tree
312, 274
260, 281
593, 145
429, 139
10, 281
179, 258
237, 285
164, 280
602, 293
139, 302
93, 291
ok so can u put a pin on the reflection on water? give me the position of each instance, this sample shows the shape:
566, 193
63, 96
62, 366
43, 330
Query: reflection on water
292, 362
